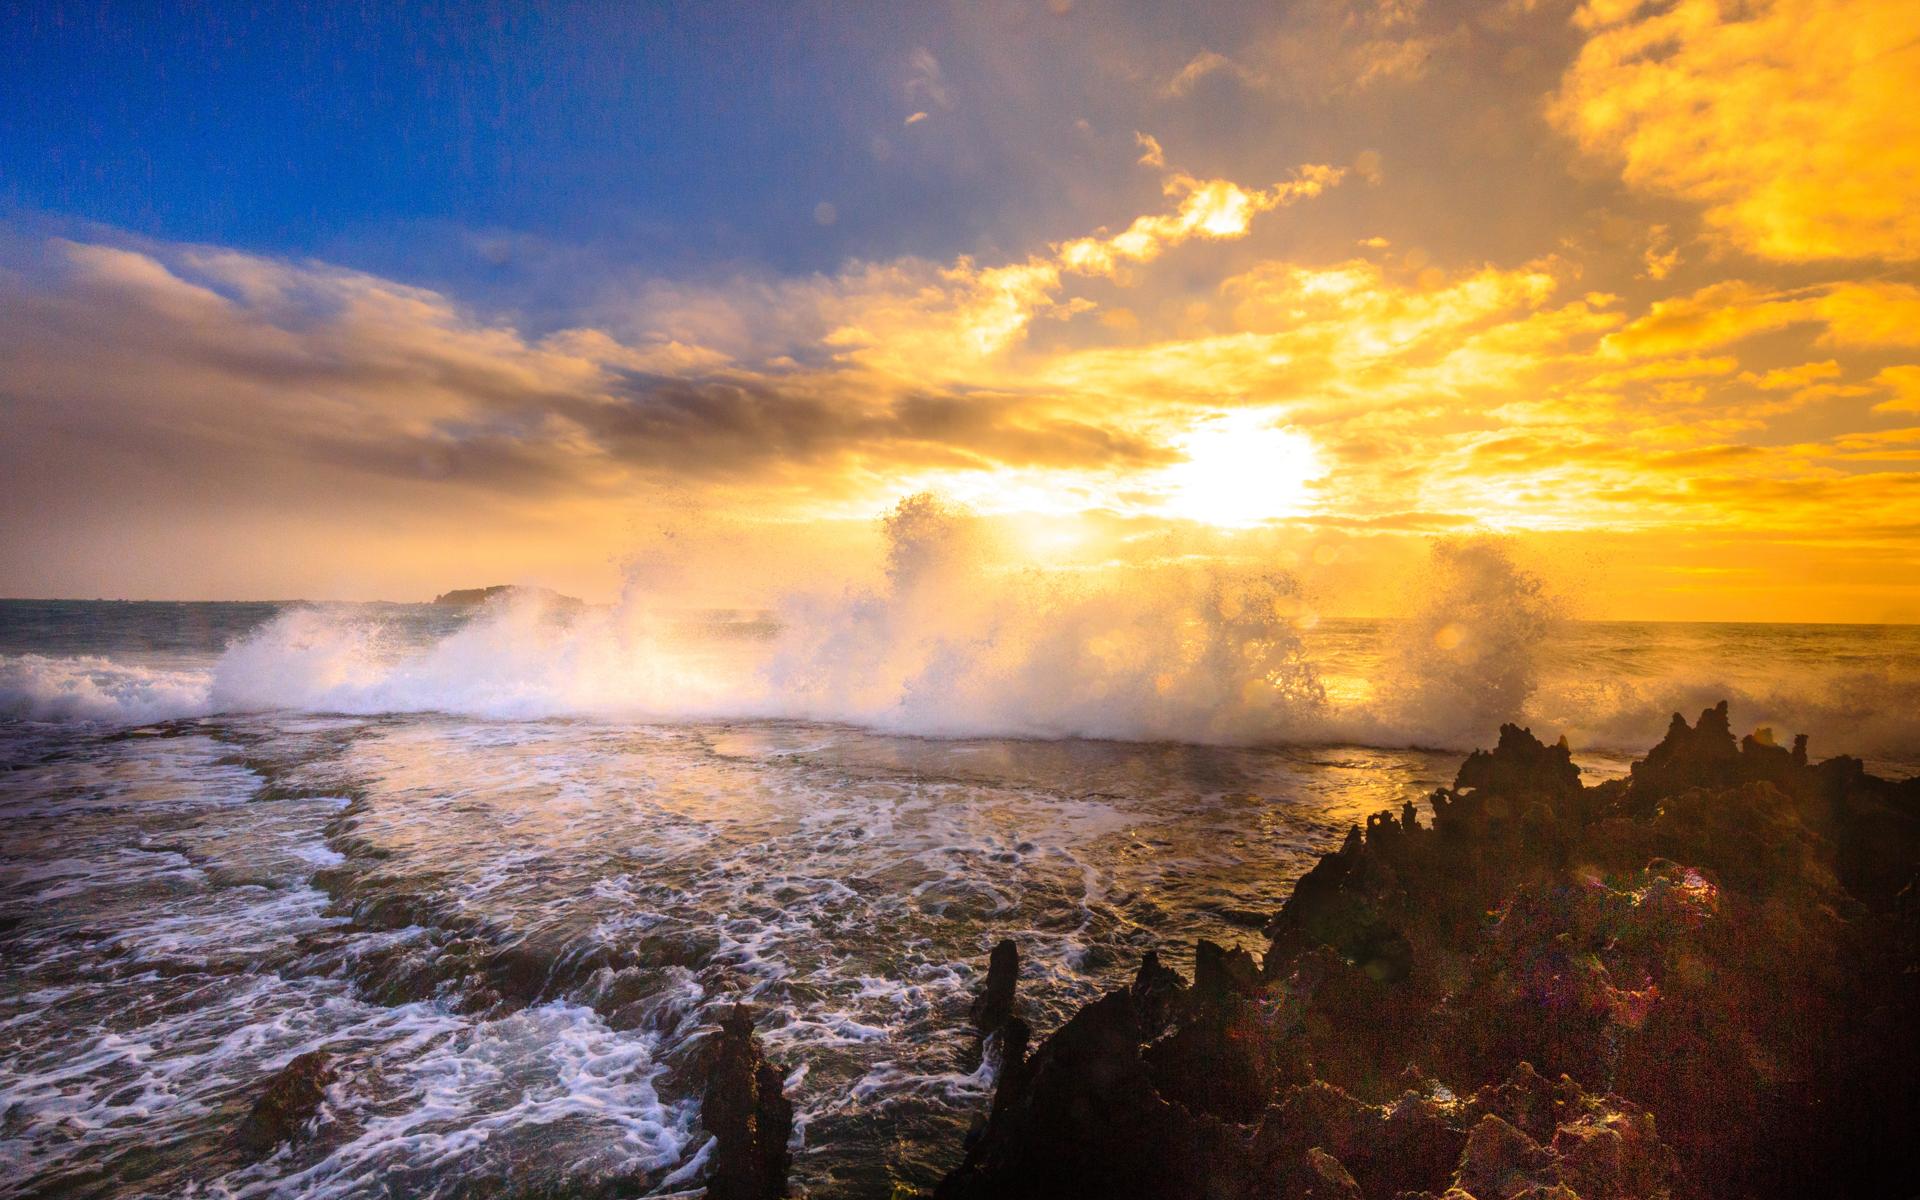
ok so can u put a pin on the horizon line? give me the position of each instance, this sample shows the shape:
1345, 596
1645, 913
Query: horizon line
754, 608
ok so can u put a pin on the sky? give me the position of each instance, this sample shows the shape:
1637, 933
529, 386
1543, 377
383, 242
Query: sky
372, 301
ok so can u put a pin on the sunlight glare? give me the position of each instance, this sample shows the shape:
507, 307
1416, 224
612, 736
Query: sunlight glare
1241, 469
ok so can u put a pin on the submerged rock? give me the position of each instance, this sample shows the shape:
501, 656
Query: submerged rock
746, 1110
292, 1098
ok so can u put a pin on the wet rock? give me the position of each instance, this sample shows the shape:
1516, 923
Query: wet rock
1604, 1149
745, 1109
292, 1098
995, 1003
1869, 823
1410, 1144
1220, 1060
1015, 1036
1500, 1161
1084, 1119
1728, 940
1322, 1177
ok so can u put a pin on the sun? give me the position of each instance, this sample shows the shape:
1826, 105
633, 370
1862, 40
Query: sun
1241, 469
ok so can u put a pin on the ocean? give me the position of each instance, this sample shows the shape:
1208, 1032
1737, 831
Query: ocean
508, 864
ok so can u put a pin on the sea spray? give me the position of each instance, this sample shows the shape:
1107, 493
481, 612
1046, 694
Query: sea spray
943, 628
954, 644
39, 687
1467, 658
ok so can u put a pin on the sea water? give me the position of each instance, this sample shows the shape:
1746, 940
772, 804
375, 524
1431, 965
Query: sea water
508, 865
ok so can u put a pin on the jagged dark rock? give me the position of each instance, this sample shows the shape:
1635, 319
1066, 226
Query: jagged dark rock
1703, 755
292, 1098
995, 1003
746, 1110
1727, 943
1219, 972
1157, 991
1521, 765
1870, 823
1081, 1117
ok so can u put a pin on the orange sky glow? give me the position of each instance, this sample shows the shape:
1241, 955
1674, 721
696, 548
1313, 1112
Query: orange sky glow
1642, 295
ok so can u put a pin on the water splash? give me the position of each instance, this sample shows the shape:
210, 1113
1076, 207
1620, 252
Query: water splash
1469, 656
954, 634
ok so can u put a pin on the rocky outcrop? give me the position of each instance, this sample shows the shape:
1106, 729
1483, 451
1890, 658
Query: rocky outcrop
1714, 948
995, 1003
1521, 766
746, 1110
474, 597
1871, 824
1081, 1117
291, 1100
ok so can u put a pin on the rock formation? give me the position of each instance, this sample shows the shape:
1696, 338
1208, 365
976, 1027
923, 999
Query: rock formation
746, 1110
473, 597
995, 1005
1697, 982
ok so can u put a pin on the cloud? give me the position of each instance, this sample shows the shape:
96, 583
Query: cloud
1429, 399
1871, 314
1904, 383
1714, 316
220, 362
1793, 378
1661, 256
1201, 65
1791, 122
919, 321
1209, 208
1322, 49
1855, 315
217, 362
927, 81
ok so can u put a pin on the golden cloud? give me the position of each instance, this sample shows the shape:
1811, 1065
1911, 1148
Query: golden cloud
1856, 315
921, 322
1904, 383
1792, 122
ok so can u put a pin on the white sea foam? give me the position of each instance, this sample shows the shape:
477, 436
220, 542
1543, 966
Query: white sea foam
37, 687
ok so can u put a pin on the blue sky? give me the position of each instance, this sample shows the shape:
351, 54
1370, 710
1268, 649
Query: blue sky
487, 148
643, 131
444, 139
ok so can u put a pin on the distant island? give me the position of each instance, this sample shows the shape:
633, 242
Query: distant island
469, 597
